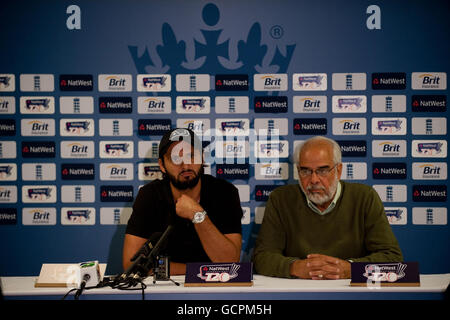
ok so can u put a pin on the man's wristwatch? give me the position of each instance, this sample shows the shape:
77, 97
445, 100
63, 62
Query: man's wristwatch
199, 217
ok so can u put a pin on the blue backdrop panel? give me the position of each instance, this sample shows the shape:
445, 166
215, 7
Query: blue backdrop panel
77, 126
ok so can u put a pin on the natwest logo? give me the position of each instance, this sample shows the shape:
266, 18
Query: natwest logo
429, 193
231, 82
271, 104
389, 170
429, 103
389, 81
76, 82
232, 171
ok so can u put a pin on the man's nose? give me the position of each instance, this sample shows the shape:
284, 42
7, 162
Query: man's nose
314, 177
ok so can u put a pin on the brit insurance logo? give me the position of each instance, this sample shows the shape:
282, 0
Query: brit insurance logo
271, 171
199, 126
7, 105
429, 170
76, 82
309, 81
389, 149
429, 148
349, 126
114, 82
270, 82
8, 194
154, 82
310, 104
116, 171
37, 127
429, 81
77, 150
39, 216
149, 105
389, 126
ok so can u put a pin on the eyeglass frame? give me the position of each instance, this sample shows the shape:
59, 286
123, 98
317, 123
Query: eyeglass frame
326, 171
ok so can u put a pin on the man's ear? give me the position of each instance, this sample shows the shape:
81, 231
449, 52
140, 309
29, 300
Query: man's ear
161, 166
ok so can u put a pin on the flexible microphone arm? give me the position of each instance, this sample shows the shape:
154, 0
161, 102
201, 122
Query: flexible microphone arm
143, 259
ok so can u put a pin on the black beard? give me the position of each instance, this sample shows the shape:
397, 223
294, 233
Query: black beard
183, 185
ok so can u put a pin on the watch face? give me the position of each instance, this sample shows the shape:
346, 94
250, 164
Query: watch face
199, 217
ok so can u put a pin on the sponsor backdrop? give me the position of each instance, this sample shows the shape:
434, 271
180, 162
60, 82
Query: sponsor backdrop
87, 88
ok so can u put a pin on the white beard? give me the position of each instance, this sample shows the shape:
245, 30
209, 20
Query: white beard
320, 199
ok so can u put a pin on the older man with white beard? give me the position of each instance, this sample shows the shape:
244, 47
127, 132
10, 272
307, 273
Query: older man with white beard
315, 229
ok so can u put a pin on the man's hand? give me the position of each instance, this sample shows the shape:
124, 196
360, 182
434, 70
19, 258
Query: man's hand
320, 267
186, 207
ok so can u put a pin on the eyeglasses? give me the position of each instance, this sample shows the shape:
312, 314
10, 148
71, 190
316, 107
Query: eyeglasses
321, 172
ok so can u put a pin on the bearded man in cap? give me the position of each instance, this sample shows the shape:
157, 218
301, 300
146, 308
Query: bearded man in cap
205, 211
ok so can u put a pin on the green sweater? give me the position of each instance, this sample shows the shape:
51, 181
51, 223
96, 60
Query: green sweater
357, 229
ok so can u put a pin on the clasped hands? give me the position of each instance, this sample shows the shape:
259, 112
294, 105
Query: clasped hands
320, 267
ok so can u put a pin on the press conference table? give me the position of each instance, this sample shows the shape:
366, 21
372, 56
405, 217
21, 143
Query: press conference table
432, 287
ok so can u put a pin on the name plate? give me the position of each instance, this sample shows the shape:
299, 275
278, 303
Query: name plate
385, 274
219, 274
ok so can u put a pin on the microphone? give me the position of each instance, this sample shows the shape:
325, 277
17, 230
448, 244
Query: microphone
88, 274
143, 258
144, 263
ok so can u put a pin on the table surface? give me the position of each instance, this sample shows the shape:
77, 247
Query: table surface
433, 283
